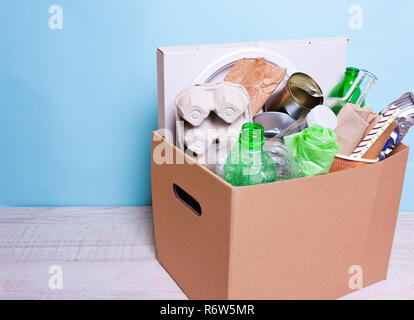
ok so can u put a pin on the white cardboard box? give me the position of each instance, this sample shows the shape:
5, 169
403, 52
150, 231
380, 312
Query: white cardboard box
179, 67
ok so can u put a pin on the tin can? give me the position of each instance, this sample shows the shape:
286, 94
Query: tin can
299, 95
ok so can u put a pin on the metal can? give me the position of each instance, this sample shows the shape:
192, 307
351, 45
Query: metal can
273, 122
300, 94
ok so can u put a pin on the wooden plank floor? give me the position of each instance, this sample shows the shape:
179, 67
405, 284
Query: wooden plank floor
109, 253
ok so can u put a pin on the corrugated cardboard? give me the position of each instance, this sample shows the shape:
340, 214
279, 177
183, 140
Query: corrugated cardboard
294, 239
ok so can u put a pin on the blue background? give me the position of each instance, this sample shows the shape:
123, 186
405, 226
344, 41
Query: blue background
77, 105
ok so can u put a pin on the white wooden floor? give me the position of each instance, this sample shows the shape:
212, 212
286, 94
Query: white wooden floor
109, 253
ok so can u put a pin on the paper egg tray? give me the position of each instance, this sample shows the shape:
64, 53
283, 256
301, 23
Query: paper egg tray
212, 113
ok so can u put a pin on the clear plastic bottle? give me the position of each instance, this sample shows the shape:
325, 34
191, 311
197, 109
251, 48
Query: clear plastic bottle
247, 164
277, 150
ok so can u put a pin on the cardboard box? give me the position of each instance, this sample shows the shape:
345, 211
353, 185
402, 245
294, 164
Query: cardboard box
296, 239
306, 238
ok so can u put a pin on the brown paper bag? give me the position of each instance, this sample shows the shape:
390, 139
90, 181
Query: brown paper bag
259, 78
353, 122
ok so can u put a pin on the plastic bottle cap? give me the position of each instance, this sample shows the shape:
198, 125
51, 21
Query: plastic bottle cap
323, 116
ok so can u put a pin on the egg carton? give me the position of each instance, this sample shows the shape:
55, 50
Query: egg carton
212, 113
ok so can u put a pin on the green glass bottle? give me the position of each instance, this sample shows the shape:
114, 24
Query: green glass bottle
341, 89
247, 164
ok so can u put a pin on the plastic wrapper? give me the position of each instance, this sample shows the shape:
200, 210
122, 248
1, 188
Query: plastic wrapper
405, 121
312, 151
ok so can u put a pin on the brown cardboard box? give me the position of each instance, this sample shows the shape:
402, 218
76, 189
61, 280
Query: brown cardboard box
295, 239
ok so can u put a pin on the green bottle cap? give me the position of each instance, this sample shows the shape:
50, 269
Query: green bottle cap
352, 71
252, 135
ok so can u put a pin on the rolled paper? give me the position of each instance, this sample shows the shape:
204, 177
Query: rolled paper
387, 119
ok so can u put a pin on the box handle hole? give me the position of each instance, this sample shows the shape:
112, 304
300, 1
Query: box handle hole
187, 200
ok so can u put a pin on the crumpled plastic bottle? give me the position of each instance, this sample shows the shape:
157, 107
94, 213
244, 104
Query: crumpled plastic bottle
277, 150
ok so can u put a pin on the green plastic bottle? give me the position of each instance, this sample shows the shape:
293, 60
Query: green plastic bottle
247, 164
341, 89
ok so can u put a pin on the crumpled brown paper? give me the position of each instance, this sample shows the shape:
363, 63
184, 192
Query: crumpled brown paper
258, 77
353, 123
